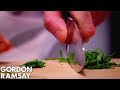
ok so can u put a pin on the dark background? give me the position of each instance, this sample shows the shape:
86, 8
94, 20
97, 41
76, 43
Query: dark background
115, 35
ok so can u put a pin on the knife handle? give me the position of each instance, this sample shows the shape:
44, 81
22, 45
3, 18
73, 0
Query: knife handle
65, 15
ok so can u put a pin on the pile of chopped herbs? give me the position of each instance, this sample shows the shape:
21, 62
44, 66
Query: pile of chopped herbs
69, 59
34, 64
95, 59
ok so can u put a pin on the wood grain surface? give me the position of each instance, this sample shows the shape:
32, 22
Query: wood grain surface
56, 70
52, 70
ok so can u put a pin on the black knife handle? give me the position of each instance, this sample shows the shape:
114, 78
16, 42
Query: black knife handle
65, 15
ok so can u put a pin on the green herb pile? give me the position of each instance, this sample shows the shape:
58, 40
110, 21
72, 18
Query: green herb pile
34, 64
69, 59
95, 59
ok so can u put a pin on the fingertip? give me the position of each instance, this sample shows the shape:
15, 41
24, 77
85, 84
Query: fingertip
91, 31
85, 40
61, 36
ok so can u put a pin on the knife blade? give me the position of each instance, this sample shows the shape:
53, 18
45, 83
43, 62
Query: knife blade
70, 32
76, 48
68, 21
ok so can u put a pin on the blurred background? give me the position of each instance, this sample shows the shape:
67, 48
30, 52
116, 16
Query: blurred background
107, 36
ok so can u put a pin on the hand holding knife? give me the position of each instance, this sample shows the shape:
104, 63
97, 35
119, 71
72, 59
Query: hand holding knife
71, 47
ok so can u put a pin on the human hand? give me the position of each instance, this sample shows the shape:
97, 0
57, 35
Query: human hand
86, 21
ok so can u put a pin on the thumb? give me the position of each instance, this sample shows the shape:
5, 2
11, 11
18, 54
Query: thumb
55, 24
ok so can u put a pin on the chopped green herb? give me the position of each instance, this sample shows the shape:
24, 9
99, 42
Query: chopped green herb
34, 63
61, 55
51, 59
69, 59
95, 59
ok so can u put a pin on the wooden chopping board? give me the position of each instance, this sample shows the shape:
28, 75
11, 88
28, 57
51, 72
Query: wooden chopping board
103, 73
56, 70
53, 70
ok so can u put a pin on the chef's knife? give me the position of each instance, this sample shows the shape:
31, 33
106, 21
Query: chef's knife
74, 43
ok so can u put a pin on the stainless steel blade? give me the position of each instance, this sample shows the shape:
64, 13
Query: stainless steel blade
67, 48
74, 45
